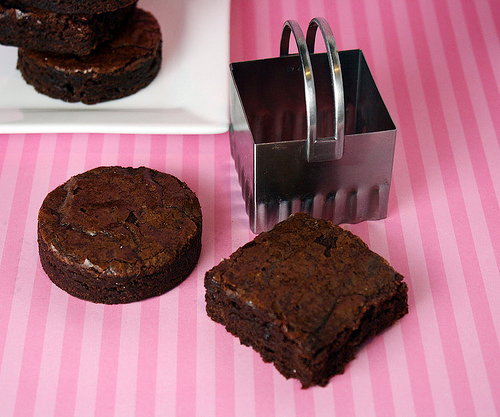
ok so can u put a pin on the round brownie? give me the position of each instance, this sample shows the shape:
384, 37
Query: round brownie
41, 30
116, 69
73, 6
117, 235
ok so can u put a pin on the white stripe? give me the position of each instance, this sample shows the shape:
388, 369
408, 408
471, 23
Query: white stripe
324, 402
142, 150
128, 357
110, 146
463, 311
397, 360
167, 355
16, 332
166, 383
56, 317
50, 360
8, 180
491, 145
88, 373
264, 46
362, 391
284, 398
244, 380
205, 346
419, 279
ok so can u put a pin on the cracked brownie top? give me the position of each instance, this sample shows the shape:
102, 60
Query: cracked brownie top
119, 221
312, 278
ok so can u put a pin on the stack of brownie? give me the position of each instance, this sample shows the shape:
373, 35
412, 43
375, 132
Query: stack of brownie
86, 51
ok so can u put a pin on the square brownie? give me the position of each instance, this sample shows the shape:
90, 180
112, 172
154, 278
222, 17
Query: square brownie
305, 295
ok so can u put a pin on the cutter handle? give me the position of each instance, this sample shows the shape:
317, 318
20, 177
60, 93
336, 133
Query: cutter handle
324, 149
291, 26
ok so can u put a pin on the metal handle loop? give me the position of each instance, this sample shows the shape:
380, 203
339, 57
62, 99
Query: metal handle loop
337, 84
291, 26
325, 149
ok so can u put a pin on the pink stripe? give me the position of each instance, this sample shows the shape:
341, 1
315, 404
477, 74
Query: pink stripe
11, 369
70, 358
108, 361
111, 328
73, 331
485, 67
148, 353
343, 397
17, 222
375, 349
456, 365
243, 46
263, 387
224, 342
380, 378
476, 290
93, 157
150, 321
410, 327
224, 373
126, 150
304, 400
158, 152
35, 329
491, 91
443, 308
493, 6
186, 348
32, 354
277, 17
413, 341
110, 149
442, 300
335, 22
3, 148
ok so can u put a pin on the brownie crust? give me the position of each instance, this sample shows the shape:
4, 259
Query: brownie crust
117, 235
305, 295
73, 6
116, 69
40, 30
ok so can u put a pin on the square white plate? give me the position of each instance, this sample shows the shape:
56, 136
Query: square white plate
190, 95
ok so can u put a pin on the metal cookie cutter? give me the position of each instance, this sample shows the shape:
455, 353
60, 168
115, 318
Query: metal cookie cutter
298, 147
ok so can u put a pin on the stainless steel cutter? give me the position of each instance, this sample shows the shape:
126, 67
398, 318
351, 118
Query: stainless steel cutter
310, 132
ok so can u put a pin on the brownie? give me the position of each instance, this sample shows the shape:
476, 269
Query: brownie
41, 30
305, 295
117, 235
116, 69
73, 6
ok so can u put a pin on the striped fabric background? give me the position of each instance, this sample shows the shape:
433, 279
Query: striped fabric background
436, 63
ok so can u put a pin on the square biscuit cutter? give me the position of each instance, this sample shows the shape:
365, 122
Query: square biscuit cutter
310, 132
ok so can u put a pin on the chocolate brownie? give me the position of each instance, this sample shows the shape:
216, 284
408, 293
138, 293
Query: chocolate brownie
117, 235
116, 69
40, 30
74, 6
305, 295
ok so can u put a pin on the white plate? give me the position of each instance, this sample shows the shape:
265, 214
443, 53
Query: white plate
189, 95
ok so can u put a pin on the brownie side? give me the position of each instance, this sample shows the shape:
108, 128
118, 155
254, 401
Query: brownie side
40, 30
116, 235
84, 284
118, 68
305, 295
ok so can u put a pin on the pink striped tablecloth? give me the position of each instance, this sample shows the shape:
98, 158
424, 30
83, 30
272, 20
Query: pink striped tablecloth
436, 63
